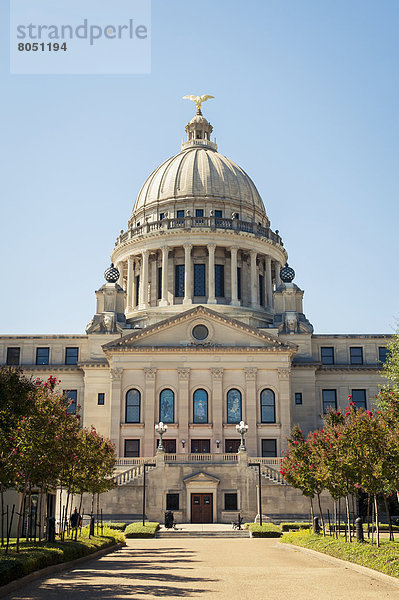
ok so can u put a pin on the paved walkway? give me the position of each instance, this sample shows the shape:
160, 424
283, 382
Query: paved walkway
220, 569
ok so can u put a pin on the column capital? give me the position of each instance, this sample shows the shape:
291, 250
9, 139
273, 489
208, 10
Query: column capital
253, 253
165, 248
150, 373
183, 373
211, 247
187, 247
234, 248
116, 373
268, 259
250, 373
217, 373
283, 373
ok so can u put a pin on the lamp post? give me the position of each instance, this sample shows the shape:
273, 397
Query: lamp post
242, 429
161, 428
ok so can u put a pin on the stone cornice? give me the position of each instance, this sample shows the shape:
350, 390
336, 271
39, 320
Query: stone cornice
317, 366
52, 368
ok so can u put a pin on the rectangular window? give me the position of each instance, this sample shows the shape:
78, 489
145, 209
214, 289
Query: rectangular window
219, 214
169, 446
161, 216
200, 446
359, 398
42, 356
199, 280
383, 353
261, 290
132, 448
13, 355
219, 281
298, 398
230, 501
356, 356
159, 283
72, 396
231, 446
269, 448
71, 356
327, 355
172, 501
239, 283
179, 281
329, 400
180, 214
199, 212
137, 289
101, 399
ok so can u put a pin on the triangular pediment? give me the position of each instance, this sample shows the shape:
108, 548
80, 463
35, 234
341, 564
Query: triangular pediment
201, 478
179, 331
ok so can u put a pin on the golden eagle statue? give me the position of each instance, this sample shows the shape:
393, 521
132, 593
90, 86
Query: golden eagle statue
198, 99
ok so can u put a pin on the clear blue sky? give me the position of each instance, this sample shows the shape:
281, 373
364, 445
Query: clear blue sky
306, 102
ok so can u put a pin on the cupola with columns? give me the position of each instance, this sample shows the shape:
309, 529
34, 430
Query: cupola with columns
199, 235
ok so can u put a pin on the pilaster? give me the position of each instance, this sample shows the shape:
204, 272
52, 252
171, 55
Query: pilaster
115, 408
251, 404
185, 410
217, 407
149, 407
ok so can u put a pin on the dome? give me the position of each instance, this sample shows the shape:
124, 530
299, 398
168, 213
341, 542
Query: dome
199, 172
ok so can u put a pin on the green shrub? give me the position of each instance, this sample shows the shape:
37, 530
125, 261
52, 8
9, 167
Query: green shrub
266, 530
384, 559
117, 526
294, 526
138, 530
33, 557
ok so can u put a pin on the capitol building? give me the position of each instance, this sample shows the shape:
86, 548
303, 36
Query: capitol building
200, 325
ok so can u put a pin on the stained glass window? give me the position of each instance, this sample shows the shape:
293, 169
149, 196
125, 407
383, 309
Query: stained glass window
267, 406
234, 410
167, 406
200, 402
133, 406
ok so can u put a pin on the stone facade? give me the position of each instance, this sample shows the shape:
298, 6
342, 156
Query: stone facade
200, 325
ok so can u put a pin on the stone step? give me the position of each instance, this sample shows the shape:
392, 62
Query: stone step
205, 534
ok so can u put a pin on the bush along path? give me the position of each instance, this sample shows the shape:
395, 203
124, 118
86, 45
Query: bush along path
33, 557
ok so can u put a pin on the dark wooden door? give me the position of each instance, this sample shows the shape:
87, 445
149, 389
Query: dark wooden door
231, 446
201, 508
200, 446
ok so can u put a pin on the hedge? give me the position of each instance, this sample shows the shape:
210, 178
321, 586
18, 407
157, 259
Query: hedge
33, 557
384, 559
117, 526
268, 530
294, 526
138, 530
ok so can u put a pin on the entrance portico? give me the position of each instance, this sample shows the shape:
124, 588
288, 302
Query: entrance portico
201, 497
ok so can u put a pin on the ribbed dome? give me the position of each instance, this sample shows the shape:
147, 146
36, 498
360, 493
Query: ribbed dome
199, 172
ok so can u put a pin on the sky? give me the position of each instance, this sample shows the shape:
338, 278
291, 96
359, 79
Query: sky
306, 102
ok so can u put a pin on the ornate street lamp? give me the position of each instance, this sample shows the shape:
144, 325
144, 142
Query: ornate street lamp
242, 429
161, 428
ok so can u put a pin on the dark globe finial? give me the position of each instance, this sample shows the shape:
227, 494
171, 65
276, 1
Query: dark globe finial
111, 274
287, 274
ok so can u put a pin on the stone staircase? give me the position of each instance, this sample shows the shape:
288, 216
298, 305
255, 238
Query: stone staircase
270, 474
133, 474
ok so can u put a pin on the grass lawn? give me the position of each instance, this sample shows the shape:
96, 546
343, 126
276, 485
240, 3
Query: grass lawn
33, 557
384, 559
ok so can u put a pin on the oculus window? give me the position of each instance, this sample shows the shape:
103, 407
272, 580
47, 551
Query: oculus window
267, 406
200, 332
167, 406
200, 406
133, 401
234, 406
329, 400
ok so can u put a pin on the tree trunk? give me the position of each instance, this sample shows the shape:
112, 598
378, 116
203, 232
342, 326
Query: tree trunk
311, 510
29, 513
20, 517
321, 515
348, 518
353, 515
2, 515
368, 516
391, 536
377, 525
335, 519
60, 513
339, 517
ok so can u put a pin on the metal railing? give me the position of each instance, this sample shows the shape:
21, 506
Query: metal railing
200, 222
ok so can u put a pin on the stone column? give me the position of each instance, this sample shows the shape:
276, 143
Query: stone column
184, 408
283, 408
277, 267
233, 263
130, 277
120, 269
211, 274
135, 269
216, 418
164, 293
251, 401
254, 282
144, 280
149, 408
187, 274
268, 282
115, 408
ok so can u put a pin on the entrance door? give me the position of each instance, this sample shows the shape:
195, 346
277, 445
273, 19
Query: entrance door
201, 508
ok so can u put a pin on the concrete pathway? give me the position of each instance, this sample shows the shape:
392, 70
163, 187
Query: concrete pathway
242, 569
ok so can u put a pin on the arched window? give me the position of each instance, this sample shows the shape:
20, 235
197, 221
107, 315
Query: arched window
200, 406
167, 406
267, 407
133, 401
234, 406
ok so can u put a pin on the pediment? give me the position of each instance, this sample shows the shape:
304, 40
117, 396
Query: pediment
179, 331
202, 478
